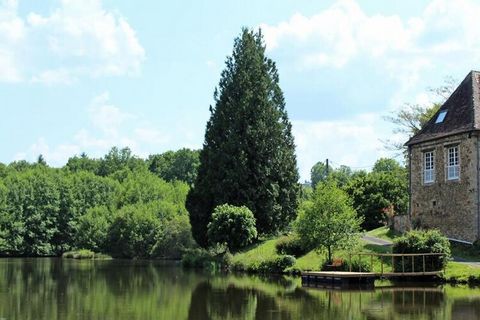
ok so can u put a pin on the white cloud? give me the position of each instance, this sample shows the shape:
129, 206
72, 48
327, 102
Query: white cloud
105, 116
78, 39
355, 142
108, 126
403, 48
12, 33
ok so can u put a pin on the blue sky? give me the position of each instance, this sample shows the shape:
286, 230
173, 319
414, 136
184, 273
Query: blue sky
84, 75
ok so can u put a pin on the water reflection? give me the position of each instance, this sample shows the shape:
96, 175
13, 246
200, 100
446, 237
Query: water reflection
66, 289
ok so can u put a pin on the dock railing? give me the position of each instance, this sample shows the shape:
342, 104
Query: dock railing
409, 262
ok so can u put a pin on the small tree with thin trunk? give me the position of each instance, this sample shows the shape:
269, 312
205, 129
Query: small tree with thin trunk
328, 221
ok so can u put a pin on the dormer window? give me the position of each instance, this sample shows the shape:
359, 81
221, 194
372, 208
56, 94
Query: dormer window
441, 117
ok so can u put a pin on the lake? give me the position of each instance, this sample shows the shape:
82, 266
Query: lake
54, 288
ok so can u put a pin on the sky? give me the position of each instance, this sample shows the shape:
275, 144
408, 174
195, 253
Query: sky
85, 75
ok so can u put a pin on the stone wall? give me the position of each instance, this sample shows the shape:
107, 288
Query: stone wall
449, 205
401, 223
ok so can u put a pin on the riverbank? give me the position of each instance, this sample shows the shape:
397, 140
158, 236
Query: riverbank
251, 257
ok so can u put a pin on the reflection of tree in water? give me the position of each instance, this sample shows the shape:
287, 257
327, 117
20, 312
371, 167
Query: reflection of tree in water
466, 309
65, 289
407, 303
232, 302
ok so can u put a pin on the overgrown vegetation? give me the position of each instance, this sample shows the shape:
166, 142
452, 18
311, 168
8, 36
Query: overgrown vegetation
420, 241
113, 204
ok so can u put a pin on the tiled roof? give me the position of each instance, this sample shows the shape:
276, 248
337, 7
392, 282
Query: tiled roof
463, 112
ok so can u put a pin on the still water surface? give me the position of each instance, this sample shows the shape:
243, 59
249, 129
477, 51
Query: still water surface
51, 288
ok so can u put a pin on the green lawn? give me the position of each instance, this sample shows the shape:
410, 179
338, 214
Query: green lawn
467, 252
383, 233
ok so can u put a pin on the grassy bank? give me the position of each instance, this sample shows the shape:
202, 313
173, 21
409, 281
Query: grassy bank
254, 255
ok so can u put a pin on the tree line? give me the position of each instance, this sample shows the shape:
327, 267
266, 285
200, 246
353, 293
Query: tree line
118, 204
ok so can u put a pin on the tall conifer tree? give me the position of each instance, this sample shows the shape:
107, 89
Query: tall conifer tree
248, 157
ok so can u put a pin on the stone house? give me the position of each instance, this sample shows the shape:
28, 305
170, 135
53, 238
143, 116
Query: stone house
444, 164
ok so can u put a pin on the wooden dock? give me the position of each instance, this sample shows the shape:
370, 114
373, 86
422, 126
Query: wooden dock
351, 277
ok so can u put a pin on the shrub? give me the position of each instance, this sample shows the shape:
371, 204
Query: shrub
196, 258
173, 238
291, 245
212, 259
79, 254
92, 229
234, 226
356, 266
133, 232
276, 265
430, 241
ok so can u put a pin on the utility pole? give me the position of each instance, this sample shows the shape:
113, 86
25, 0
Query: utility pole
328, 168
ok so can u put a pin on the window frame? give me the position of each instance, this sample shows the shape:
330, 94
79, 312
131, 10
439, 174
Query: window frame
429, 155
452, 163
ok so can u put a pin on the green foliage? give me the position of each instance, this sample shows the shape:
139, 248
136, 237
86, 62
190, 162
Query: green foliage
79, 254
234, 226
141, 186
342, 175
386, 165
318, 173
173, 238
133, 231
82, 163
215, 258
419, 241
32, 210
48, 211
346, 265
375, 192
248, 157
276, 265
291, 245
93, 229
175, 165
118, 159
328, 221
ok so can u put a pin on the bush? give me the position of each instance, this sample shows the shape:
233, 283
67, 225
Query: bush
173, 238
234, 226
133, 232
356, 266
212, 259
93, 228
196, 258
276, 265
430, 241
291, 245
79, 254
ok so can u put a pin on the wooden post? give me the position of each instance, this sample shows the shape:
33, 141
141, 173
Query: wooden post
393, 265
381, 270
413, 263
350, 264
423, 263
403, 264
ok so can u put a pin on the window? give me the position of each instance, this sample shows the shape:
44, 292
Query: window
428, 167
453, 168
441, 117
